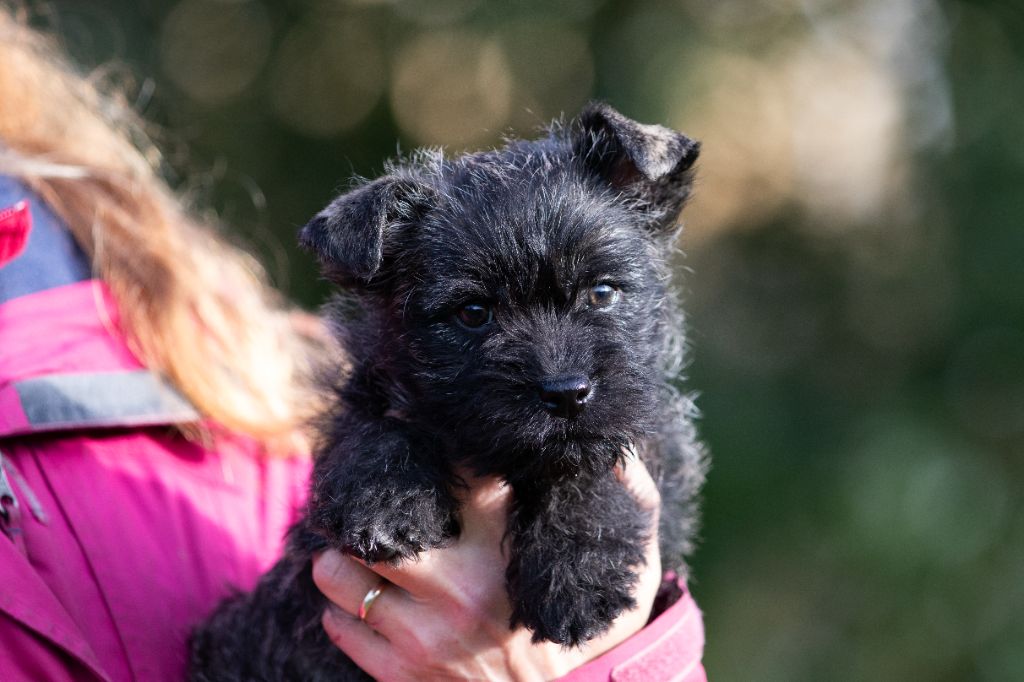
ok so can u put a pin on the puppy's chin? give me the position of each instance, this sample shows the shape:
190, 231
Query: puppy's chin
581, 457
557, 449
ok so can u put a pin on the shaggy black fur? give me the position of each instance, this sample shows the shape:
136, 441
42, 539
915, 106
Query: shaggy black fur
508, 313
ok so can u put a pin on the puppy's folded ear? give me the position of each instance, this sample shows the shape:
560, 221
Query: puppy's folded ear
648, 164
349, 235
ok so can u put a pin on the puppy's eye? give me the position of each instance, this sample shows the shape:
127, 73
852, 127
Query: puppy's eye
475, 315
603, 295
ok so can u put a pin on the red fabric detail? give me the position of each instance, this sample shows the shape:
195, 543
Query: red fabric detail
15, 224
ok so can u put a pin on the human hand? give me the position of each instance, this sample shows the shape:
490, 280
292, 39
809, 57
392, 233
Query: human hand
445, 615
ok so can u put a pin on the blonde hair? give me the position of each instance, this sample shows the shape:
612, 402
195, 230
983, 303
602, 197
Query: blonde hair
193, 307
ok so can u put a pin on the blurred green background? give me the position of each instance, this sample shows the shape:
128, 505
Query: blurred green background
854, 271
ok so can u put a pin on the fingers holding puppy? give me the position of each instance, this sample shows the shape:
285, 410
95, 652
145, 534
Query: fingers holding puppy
347, 584
444, 615
638, 480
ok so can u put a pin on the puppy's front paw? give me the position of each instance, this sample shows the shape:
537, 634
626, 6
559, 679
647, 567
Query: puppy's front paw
386, 518
575, 558
396, 526
573, 602
383, 504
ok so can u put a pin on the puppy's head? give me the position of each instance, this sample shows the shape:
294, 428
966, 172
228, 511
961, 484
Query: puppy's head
521, 293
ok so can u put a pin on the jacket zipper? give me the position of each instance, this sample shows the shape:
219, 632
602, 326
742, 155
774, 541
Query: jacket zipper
10, 510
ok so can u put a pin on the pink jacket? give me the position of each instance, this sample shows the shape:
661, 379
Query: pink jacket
119, 535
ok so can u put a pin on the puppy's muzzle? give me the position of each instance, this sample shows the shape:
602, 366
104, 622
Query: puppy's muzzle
565, 397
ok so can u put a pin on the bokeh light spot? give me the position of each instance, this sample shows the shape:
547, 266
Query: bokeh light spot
436, 12
451, 89
327, 76
552, 70
214, 50
916, 494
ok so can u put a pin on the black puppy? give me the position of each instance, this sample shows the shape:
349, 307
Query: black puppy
508, 314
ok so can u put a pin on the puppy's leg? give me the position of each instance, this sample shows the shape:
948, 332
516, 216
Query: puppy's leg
380, 493
576, 548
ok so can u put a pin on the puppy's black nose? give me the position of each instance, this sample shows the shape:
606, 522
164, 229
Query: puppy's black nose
565, 397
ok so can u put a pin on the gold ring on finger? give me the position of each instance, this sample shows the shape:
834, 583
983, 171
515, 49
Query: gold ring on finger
370, 598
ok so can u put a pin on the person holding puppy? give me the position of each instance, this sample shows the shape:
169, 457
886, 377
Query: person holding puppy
153, 390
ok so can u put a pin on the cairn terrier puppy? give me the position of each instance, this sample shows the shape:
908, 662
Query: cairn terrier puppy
507, 313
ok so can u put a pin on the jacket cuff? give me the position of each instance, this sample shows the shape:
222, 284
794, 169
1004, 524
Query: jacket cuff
669, 648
